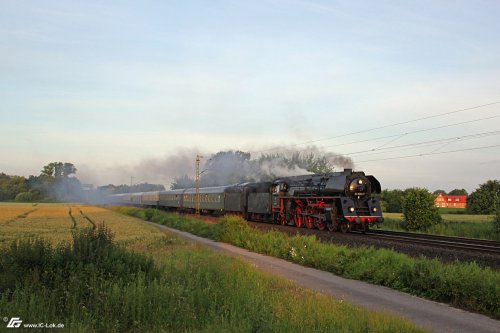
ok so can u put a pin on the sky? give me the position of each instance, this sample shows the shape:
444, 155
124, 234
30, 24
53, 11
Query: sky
409, 90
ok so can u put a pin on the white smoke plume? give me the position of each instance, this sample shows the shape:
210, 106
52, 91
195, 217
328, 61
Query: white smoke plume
232, 167
222, 168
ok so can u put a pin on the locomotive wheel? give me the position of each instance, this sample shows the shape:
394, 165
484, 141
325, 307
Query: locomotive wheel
298, 218
345, 227
320, 224
309, 218
331, 227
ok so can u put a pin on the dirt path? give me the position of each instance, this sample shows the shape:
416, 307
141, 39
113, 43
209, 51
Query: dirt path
431, 315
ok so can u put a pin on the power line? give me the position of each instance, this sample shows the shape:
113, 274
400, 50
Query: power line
384, 126
412, 132
431, 142
427, 154
398, 136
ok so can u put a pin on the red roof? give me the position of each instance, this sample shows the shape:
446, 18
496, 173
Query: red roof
452, 198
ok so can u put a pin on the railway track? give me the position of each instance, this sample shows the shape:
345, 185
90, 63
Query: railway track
410, 245
449, 242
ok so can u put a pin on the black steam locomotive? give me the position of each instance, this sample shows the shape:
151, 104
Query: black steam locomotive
341, 201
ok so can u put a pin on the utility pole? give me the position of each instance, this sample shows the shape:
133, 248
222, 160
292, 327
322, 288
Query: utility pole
197, 179
131, 180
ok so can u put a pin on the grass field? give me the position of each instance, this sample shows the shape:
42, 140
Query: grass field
464, 285
451, 217
141, 279
461, 225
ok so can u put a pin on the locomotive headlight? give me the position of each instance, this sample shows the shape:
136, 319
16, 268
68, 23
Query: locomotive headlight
360, 181
351, 209
374, 209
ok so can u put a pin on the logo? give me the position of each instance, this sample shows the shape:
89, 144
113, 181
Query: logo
14, 323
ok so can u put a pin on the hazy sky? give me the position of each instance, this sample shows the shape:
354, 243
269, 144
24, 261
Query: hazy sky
116, 86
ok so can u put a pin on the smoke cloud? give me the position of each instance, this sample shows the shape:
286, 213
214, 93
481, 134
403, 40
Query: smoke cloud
222, 168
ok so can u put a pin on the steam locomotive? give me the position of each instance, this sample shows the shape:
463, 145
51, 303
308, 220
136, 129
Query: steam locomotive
337, 201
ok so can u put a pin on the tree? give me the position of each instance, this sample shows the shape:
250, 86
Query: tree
392, 200
482, 200
227, 167
29, 196
438, 192
57, 181
458, 192
10, 186
419, 210
58, 170
182, 182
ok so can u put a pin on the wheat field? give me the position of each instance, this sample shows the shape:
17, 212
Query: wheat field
54, 222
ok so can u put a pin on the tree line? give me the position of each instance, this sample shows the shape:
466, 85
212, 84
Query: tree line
56, 182
482, 200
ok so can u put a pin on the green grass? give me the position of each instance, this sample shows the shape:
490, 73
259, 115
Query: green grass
444, 210
451, 217
94, 285
471, 226
464, 285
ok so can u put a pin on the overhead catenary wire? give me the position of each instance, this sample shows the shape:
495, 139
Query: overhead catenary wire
399, 136
412, 132
431, 153
382, 127
427, 143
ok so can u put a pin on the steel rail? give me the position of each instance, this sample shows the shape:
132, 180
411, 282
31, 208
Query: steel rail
459, 243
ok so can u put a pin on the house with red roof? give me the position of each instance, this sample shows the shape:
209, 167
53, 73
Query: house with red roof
451, 201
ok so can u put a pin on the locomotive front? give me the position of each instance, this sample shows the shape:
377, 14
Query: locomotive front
359, 204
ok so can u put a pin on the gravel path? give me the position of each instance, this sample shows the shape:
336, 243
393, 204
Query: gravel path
431, 315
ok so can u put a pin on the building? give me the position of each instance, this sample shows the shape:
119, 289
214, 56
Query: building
451, 201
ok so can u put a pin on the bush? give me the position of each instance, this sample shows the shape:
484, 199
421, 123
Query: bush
30, 196
93, 254
483, 199
392, 200
90, 278
496, 221
419, 210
